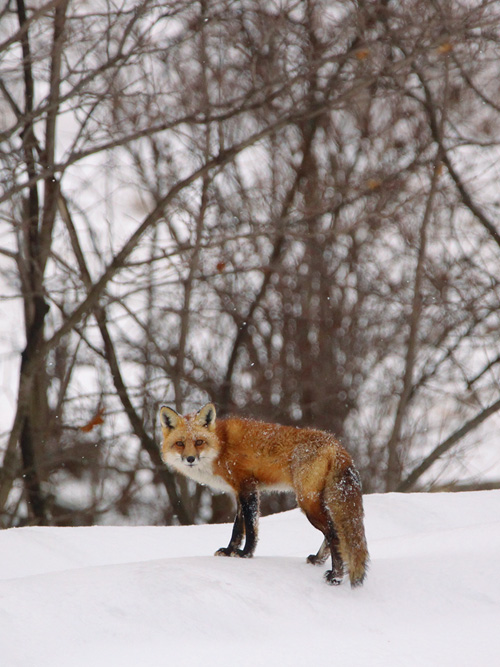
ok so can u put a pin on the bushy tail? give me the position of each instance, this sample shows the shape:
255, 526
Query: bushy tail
344, 503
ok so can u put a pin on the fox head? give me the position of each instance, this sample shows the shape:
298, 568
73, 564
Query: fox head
190, 440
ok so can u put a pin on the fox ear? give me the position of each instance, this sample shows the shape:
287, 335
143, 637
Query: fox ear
206, 416
169, 418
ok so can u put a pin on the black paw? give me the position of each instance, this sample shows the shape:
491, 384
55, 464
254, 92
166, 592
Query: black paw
314, 559
241, 553
333, 578
224, 551
233, 553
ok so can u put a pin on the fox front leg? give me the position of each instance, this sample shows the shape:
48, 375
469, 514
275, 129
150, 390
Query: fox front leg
237, 535
245, 523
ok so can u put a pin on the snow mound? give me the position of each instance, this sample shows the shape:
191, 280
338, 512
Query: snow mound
156, 597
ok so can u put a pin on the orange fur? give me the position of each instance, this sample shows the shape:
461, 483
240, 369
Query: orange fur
244, 456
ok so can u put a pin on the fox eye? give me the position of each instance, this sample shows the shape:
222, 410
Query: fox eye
199, 443
179, 443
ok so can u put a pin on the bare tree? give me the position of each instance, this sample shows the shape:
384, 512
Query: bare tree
288, 208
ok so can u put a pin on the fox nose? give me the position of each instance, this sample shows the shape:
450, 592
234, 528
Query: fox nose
190, 459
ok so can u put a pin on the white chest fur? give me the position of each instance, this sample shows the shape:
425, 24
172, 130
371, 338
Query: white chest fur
201, 472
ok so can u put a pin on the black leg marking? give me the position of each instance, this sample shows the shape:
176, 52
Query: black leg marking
245, 524
335, 575
250, 509
236, 536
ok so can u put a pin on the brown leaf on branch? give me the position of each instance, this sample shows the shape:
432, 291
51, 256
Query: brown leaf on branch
373, 183
446, 47
362, 54
95, 421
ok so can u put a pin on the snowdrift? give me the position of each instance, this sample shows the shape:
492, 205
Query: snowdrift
156, 597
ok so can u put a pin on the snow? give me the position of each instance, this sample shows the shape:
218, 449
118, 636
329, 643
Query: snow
155, 596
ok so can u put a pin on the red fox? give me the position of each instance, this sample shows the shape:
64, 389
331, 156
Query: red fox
243, 457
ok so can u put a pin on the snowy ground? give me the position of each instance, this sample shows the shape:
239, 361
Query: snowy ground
155, 597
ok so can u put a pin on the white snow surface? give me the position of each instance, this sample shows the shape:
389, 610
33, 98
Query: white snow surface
155, 596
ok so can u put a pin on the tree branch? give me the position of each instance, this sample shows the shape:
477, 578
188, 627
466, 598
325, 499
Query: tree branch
147, 442
446, 445
438, 138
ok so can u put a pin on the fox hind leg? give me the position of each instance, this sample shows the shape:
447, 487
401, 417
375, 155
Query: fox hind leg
321, 556
336, 574
320, 519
